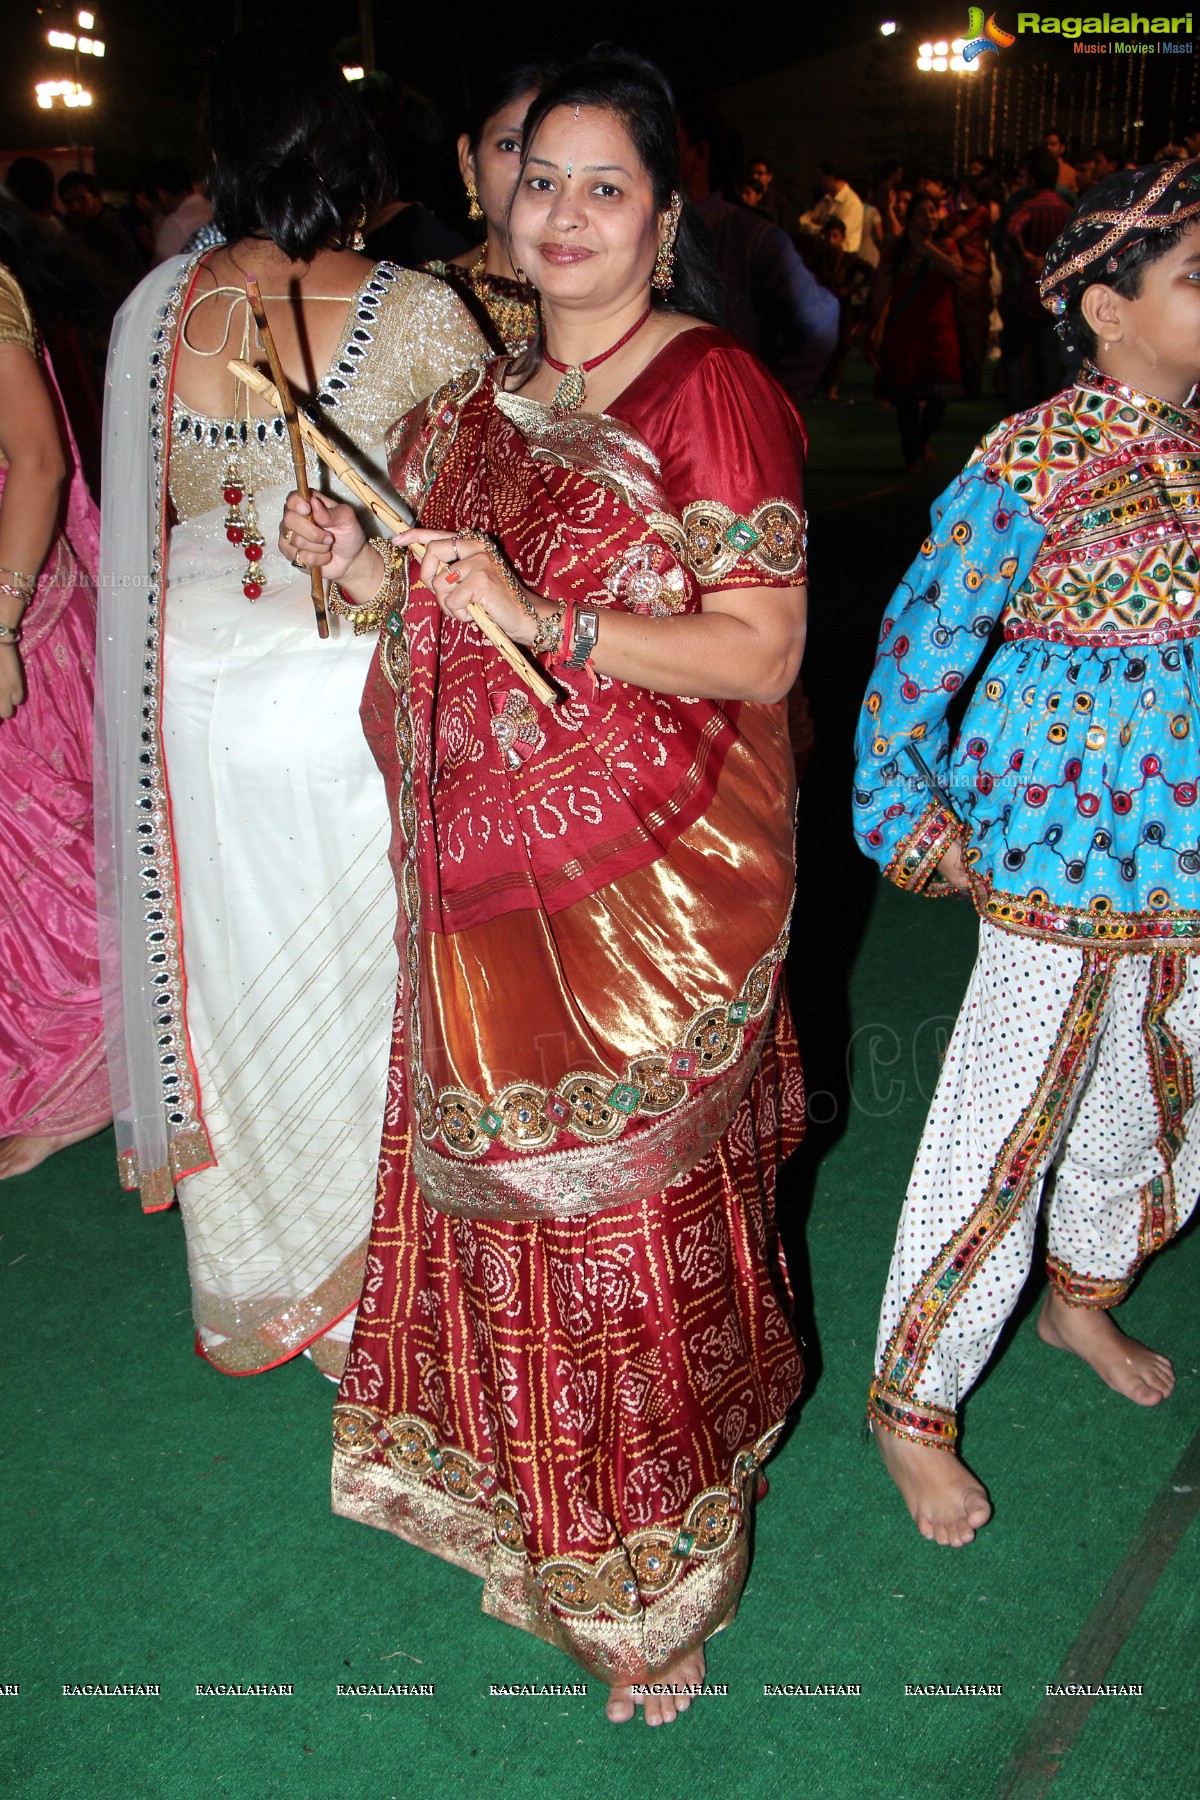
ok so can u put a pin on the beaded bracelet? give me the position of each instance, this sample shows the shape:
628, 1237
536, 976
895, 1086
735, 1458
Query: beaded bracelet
548, 638
366, 615
15, 593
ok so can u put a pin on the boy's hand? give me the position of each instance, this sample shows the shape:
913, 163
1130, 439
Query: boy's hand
952, 870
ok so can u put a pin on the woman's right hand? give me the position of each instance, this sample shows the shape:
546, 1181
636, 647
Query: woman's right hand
12, 680
321, 534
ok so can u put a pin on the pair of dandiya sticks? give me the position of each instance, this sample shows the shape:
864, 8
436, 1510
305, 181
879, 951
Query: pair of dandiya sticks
300, 429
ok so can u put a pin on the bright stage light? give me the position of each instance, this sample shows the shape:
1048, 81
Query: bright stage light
888, 28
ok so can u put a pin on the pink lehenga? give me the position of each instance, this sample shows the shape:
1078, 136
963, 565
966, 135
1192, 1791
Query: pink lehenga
52, 1070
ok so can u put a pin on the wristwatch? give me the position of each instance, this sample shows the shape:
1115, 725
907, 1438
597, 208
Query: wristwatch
587, 630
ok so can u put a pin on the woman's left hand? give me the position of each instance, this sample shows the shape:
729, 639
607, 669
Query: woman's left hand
459, 569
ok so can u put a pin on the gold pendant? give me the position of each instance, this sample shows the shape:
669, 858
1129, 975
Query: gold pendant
568, 395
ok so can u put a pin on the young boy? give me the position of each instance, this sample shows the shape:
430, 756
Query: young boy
1067, 809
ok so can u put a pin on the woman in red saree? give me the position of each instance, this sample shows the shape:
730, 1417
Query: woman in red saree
573, 1350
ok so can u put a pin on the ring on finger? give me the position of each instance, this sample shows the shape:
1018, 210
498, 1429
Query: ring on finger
289, 536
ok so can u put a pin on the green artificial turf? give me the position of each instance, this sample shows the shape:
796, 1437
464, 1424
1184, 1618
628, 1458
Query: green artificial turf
166, 1524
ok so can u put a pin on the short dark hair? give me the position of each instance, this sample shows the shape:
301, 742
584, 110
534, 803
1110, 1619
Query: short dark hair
295, 157
31, 181
1043, 167
171, 176
763, 160
77, 178
1110, 150
834, 167
1125, 280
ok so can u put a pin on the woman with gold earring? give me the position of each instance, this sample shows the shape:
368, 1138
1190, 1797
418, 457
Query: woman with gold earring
489, 156
576, 1351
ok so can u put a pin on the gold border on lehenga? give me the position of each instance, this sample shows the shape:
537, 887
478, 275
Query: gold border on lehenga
640, 1605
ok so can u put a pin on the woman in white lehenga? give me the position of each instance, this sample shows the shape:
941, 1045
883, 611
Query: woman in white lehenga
247, 905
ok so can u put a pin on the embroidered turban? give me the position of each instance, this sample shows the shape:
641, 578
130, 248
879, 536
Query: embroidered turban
1112, 217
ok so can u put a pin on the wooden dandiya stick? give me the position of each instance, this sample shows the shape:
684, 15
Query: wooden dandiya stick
287, 406
392, 519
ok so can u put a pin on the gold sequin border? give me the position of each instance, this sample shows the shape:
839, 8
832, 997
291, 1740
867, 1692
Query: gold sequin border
595, 1106
773, 538
621, 1582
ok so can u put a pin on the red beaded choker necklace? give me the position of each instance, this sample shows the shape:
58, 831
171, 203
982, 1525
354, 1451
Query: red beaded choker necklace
569, 394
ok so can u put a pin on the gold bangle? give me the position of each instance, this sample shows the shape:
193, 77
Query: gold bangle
365, 615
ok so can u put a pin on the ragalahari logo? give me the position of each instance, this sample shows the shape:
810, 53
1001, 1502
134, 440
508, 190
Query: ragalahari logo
984, 37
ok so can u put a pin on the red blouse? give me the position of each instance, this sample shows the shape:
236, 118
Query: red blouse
731, 447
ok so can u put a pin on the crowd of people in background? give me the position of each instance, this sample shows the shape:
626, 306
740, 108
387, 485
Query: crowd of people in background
931, 279
570, 1122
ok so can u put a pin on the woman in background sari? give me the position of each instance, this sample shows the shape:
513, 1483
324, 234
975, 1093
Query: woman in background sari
573, 1351
53, 1085
489, 158
249, 1020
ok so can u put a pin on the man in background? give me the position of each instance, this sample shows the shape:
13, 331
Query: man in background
184, 210
97, 230
838, 201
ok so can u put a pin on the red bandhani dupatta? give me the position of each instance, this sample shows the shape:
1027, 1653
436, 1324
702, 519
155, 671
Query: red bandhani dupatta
594, 896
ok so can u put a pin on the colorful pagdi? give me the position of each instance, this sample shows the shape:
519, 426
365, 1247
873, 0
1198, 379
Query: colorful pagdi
53, 1080
1072, 785
248, 908
573, 1349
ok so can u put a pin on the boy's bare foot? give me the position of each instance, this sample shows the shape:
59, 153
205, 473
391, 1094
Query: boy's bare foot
948, 1503
661, 1707
20, 1154
1139, 1373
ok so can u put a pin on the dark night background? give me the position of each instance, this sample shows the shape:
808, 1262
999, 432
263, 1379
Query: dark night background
795, 82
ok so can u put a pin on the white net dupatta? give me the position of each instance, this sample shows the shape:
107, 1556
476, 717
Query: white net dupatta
160, 1132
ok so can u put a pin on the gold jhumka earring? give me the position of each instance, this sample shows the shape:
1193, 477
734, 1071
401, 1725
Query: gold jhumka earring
474, 210
663, 277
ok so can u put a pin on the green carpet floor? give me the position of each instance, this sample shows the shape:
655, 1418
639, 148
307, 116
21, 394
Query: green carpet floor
164, 1524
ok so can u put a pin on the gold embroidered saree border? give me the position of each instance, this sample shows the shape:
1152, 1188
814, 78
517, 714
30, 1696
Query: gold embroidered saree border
289, 1327
625, 1614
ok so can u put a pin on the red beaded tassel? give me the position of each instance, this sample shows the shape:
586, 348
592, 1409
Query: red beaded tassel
242, 528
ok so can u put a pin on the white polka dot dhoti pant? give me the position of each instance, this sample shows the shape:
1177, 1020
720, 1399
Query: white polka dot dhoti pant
1080, 1060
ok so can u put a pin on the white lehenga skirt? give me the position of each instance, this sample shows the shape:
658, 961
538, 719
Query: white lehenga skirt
280, 824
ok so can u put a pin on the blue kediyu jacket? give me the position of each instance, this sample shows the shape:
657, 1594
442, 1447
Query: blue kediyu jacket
1074, 779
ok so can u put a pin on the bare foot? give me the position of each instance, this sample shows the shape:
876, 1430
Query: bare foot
1140, 1374
663, 1696
20, 1154
948, 1503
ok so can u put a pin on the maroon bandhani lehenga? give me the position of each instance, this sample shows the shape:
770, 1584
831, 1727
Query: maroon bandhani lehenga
573, 1349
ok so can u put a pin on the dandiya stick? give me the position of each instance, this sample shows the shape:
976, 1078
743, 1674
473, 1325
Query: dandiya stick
287, 406
394, 520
